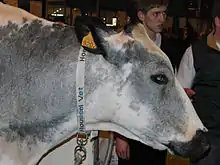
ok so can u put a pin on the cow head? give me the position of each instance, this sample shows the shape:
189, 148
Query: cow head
130, 87
136, 93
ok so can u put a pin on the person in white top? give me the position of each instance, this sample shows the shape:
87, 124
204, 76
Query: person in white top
186, 72
131, 152
199, 70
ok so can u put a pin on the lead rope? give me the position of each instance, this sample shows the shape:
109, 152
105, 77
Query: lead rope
80, 152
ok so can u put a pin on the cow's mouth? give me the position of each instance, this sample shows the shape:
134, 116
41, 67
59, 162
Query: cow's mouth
195, 149
106, 126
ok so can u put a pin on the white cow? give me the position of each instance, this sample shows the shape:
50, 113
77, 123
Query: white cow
130, 88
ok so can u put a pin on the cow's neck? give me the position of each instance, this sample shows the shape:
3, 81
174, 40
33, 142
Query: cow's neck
27, 151
43, 113
24, 143
40, 113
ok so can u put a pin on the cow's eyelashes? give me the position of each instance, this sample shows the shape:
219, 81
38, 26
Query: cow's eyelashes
160, 79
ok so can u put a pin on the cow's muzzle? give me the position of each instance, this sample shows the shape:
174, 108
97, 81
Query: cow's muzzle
195, 149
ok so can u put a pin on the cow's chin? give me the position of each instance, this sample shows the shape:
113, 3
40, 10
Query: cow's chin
127, 133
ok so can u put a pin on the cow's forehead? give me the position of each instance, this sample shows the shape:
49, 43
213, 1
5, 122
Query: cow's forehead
118, 40
139, 33
15, 15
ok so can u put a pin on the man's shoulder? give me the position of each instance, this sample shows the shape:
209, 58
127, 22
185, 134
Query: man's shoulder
172, 44
199, 51
200, 41
173, 48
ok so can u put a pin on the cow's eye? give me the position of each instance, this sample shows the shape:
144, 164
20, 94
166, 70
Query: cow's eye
160, 79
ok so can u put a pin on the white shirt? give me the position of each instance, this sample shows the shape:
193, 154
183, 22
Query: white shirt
187, 72
158, 39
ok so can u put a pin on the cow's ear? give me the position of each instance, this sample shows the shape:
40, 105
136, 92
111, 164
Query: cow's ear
91, 33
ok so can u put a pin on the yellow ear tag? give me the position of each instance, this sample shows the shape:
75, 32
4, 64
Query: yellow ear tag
88, 41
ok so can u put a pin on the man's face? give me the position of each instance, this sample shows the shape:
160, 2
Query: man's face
217, 22
154, 19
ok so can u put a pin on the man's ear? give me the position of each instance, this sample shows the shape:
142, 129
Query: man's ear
91, 32
141, 16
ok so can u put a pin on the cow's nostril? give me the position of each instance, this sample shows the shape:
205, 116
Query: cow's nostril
205, 129
199, 146
195, 149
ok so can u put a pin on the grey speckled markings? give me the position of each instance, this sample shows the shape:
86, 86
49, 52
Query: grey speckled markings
130, 88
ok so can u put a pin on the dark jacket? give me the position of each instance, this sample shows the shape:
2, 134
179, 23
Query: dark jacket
206, 84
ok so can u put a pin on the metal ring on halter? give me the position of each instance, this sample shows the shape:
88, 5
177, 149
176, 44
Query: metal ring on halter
81, 142
86, 134
80, 151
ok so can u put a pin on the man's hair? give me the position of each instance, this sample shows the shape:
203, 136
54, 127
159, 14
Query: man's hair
134, 6
145, 5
